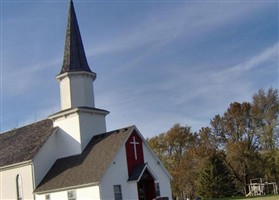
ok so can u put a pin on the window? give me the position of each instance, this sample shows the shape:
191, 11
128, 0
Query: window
157, 188
117, 192
72, 195
19, 187
47, 197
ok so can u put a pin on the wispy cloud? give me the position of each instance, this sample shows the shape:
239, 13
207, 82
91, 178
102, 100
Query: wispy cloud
165, 25
209, 84
26, 77
268, 54
190, 96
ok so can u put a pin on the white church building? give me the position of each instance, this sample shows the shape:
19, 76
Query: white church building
70, 155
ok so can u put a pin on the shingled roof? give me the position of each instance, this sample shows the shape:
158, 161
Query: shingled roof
142, 170
87, 167
23, 143
74, 54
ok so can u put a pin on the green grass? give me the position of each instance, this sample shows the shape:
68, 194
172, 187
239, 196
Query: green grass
267, 197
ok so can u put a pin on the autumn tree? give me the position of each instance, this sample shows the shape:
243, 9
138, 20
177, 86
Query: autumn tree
248, 132
173, 147
247, 135
206, 145
237, 135
266, 111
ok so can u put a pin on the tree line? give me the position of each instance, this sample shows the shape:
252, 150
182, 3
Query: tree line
219, 160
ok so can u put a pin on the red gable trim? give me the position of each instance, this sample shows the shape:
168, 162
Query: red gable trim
134, 152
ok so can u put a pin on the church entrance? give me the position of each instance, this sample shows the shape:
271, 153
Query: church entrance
146, 187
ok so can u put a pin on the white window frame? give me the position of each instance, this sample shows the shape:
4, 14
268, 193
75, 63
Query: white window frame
117, 192
71, 194
47, 197
19, 189
157, 189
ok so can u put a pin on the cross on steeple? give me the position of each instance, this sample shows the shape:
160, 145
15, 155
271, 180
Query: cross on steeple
134, 142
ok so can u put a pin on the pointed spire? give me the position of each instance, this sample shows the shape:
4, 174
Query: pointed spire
74, 55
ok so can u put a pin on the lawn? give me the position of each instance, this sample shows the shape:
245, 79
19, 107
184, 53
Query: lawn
272, 197
268, 197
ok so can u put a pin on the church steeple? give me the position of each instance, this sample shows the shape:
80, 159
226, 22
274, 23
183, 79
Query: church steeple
79, 120
74, 55
75, 77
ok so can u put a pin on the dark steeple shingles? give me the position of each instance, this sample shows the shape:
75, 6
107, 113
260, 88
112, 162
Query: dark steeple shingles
74, 55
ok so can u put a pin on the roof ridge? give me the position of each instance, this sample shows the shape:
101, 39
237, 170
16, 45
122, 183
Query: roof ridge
24, 126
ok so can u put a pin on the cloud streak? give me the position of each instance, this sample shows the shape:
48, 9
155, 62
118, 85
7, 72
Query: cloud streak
192, 96
25, 77
184, 20
269, 54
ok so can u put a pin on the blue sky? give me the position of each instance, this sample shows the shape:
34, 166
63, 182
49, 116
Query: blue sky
157, 62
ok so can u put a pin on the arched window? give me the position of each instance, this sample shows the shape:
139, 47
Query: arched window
19, 187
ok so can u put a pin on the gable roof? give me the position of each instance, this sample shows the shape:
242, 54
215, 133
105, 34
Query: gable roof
139, 171
74, 54
23, 143
87, 167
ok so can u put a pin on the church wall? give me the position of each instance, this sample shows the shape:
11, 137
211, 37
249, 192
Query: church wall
68, 135
82, 91
8, 176
161, 175
45, 158
76, 89
117, 174
91, 193
90, 125
65, 93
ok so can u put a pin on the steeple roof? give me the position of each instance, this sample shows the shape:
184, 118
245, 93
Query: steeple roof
74, 55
